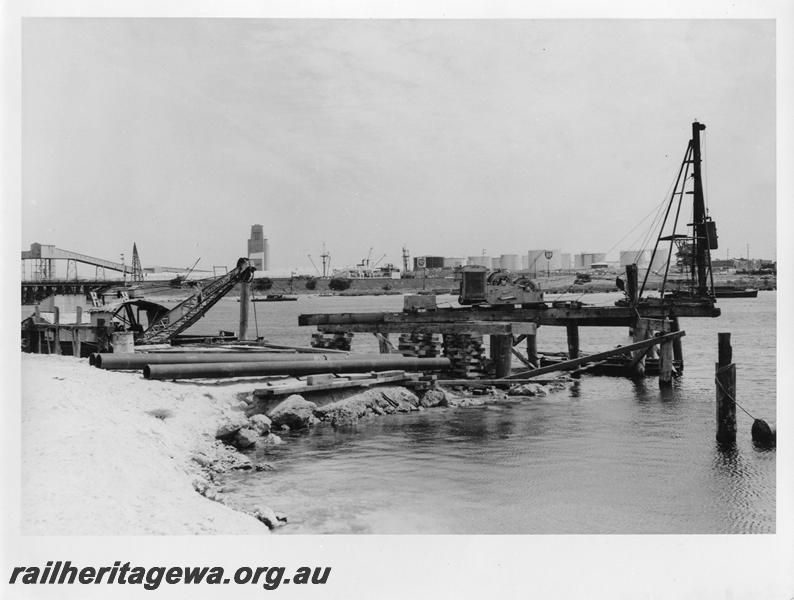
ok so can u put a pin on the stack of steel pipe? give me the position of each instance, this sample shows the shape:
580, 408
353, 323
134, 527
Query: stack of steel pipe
294, 367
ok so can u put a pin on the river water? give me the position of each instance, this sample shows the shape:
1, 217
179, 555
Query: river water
605, 455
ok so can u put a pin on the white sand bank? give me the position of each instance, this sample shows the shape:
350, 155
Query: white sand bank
95, 463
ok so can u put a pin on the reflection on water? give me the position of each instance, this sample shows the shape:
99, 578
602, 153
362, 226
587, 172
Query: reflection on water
606, 455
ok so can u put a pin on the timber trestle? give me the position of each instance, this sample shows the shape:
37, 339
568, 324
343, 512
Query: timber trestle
655, 330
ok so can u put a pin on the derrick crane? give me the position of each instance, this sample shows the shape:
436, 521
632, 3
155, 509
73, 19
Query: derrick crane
311, 260
183, 315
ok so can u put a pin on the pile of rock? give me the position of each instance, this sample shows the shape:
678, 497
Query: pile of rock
246, 432
295, 412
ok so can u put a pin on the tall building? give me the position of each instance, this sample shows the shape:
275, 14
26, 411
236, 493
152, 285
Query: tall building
258, 251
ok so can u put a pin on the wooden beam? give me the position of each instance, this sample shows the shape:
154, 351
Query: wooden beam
586, 316
490, 382
341, 383
520, 357
571, 364
473, 327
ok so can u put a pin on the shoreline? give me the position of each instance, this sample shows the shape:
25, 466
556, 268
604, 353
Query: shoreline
107, 453
110, 453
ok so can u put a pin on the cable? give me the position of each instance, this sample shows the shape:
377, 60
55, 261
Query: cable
724, 391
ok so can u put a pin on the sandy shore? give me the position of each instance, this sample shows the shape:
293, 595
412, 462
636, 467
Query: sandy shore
111, 453
99, 459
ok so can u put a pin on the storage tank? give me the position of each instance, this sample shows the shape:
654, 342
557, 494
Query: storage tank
480, 261
452, 262
496, 263
641, 258
536, 262
509, 262
585, 259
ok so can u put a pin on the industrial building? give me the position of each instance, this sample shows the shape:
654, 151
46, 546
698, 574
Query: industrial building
258, 250
428, 262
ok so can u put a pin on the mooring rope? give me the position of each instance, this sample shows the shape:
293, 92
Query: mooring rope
724, 391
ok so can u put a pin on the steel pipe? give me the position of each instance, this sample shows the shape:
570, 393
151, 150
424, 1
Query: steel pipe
294, 368
135, 361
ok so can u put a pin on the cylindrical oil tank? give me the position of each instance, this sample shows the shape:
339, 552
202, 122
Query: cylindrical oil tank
641, 258
510, 262
479, 261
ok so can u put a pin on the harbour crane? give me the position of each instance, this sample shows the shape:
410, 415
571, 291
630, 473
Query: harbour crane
187, 312
312, 261
377, 262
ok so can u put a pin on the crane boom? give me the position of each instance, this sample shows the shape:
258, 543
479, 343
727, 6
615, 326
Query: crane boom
184, 314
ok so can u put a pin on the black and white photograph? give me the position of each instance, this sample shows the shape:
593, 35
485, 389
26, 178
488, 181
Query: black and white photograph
436, 288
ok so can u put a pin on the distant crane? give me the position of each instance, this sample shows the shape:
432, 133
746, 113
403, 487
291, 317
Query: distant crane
406, 256
312, 261
137, 270
365, 261
377, 262
326, 257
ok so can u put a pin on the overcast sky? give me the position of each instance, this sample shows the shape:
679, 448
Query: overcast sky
447, 136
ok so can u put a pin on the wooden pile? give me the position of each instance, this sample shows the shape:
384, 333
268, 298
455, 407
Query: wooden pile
423, 345
466, 353
335, 341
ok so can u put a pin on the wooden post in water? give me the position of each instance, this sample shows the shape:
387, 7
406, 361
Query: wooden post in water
725, 377
245, 293
678, 352
665, 364
57, 329
641, 333
572, 331
631, 284
532, 349
502, 354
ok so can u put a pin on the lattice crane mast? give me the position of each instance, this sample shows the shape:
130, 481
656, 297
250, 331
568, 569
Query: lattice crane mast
189, 311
